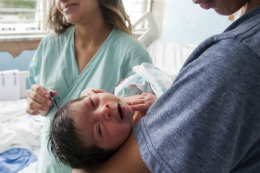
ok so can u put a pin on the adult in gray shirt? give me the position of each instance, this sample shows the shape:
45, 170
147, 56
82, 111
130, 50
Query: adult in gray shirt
209, 120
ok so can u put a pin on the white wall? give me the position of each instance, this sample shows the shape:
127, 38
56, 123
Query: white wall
186, 22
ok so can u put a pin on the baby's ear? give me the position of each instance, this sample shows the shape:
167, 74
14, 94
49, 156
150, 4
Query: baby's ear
138, 115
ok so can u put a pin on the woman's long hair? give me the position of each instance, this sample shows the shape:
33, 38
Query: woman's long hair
112, 10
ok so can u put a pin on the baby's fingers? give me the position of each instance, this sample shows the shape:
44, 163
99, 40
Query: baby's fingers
136, 102
140, 107
96, 90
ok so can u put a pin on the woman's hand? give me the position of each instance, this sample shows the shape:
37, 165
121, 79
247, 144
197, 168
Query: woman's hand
143, 102
91, 91
38, 99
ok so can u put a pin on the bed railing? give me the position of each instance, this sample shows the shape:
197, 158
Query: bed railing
24, 84
151, 33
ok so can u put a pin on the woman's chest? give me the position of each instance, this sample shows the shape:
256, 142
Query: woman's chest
84, 56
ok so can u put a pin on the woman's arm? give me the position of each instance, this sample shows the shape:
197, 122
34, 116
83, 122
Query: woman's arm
127, 159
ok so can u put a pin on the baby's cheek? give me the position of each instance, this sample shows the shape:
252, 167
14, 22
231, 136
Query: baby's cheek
123, 135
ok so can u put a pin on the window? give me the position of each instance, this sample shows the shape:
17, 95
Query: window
135, 9
23, 18
27, 18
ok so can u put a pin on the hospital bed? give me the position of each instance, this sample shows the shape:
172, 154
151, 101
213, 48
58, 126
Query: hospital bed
26, 130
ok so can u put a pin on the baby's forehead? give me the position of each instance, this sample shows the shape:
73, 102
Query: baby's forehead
76, 106
77, 101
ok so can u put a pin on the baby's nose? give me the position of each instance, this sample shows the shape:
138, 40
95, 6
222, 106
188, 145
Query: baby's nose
106, 111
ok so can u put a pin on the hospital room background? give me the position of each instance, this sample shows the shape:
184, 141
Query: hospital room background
179, 26
179, 22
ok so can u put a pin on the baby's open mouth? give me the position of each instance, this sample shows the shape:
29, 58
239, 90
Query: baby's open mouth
122, 112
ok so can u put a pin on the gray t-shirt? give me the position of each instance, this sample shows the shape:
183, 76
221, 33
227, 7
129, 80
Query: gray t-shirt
209, 120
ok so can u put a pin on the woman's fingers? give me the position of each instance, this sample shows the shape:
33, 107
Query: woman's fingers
33, 104
40, 90
32, 112
38, 99
29, 109
35, 97
34, 107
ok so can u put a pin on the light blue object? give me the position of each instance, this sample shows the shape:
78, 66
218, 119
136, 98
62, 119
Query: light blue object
54, 102
15, 159
186, 23
54, 66
21, 62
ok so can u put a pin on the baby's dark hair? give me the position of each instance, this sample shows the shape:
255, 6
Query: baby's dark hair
66, 145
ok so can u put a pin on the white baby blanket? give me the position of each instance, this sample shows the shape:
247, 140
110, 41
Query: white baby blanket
148, 79
17, 128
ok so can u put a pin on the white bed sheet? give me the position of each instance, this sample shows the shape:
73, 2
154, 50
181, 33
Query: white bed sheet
19, 130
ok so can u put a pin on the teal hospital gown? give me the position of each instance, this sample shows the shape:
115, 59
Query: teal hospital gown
54, 67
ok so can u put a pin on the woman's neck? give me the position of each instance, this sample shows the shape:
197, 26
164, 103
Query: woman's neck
93, 32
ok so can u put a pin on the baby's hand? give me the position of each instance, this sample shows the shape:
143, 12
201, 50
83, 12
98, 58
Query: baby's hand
91, 91
143, 102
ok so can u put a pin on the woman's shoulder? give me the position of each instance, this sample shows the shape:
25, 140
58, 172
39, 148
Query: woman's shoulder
48, 38
54, 38
126, 41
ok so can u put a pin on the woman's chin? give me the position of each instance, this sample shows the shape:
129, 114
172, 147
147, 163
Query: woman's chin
224, 12
70, 20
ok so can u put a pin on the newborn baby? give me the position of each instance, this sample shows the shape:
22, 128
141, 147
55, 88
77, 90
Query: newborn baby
88, 130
